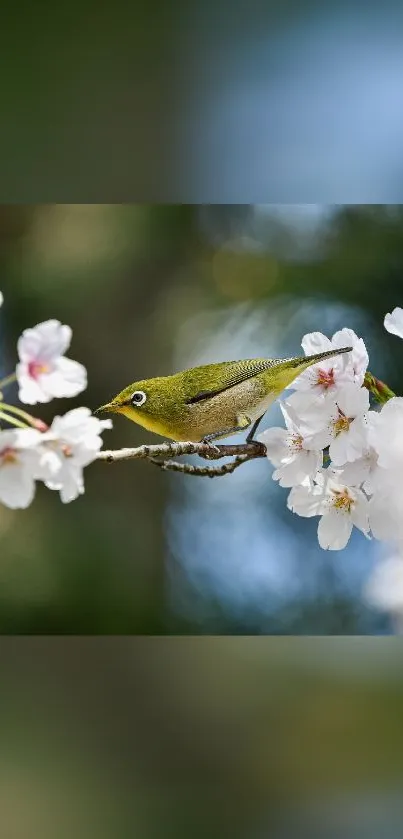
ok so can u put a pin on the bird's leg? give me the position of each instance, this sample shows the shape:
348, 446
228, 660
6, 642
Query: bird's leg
251, 434
217, 435
221, 434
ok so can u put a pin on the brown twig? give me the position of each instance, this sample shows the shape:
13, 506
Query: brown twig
240, 453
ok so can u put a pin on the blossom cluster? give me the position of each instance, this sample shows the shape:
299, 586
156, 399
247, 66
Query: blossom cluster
341, 459
31, 451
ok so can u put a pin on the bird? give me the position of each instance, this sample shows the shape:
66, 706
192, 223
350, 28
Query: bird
214, 401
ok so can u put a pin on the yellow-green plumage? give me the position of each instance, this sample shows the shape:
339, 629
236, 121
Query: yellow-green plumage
212, 400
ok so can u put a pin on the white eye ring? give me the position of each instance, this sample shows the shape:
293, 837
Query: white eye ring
138, 398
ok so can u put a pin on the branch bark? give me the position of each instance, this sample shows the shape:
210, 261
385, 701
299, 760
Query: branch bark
240, 453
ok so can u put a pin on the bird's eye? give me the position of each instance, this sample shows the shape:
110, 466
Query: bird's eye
138, 398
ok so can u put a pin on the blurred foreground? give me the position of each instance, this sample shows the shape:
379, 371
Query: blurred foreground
238, 738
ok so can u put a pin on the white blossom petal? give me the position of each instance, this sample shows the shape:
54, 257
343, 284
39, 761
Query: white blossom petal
19, 457
331, 373
349, 445
315, 342
358, 472
67, 379
385, 435
17, 486
353, 400
356, 362
393, 322
275, 440
75, 439
306, 501
304, 465
334, 530
43, 372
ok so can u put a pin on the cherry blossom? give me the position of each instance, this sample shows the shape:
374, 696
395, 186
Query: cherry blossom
23, 460
75, 438
328, 375
341, 424
44, 373
361, 472
285, 450
1, 299
339, 505
394, 322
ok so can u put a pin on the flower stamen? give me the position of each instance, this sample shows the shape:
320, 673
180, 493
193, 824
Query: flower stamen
342, 500
325, 378
295, 442
36, 369
8, 455
342, 423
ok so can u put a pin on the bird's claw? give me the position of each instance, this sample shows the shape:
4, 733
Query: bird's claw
214, 450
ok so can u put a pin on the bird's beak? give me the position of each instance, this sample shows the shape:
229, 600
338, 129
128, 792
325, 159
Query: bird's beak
108, 408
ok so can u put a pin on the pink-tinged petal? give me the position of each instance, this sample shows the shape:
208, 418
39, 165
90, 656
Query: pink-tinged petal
44, 343
29, 346
394, 322
55, 339
67, 379
30, 391
1, 298
334, 530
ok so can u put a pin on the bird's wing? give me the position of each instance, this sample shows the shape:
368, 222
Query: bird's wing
212, 379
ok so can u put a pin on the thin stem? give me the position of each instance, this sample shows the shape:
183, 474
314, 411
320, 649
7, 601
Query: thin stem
12, 420
19, 413
8, 380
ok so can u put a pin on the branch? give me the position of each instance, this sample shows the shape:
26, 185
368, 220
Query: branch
240, 453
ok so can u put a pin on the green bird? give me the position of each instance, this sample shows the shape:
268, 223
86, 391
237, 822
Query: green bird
213, 401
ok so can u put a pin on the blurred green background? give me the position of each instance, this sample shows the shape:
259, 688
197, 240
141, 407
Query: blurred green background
149, 289
192, 102
238, 738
